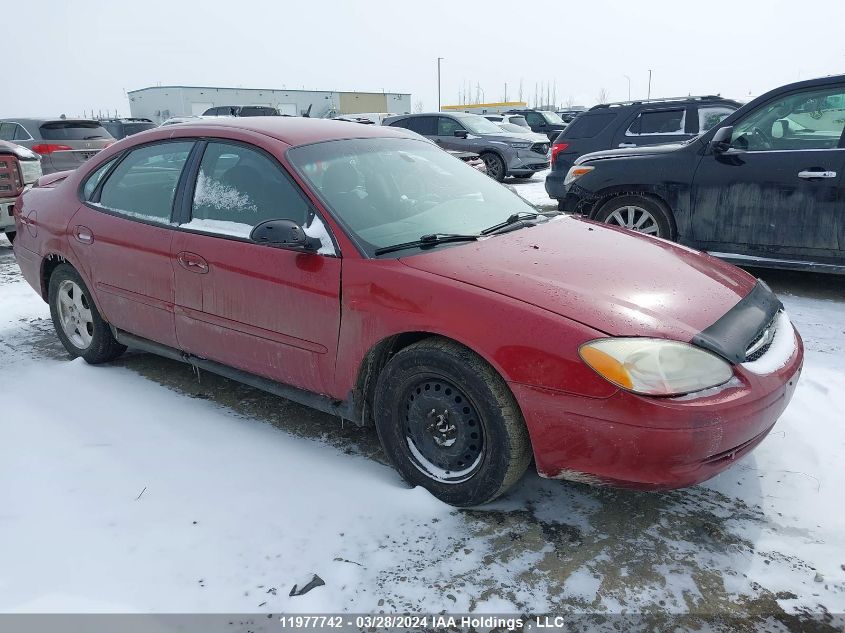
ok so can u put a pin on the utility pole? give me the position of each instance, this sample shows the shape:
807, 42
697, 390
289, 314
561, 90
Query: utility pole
438, 83
629, 86
506, 93
649, 84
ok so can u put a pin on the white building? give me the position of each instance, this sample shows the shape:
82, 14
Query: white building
159, 103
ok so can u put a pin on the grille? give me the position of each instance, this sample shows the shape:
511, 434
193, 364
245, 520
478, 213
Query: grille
763, 341
540, 148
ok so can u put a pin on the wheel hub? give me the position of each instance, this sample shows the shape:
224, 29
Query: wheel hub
443, 429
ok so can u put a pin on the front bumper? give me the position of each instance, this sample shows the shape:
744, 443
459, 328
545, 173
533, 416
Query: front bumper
655, 443
528, 162
7, 219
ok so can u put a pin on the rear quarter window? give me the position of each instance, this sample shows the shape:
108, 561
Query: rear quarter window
588, 125
73, 131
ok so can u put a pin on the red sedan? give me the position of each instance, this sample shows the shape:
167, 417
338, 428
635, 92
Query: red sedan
365, 272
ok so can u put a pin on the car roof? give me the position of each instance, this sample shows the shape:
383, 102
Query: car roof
297, 130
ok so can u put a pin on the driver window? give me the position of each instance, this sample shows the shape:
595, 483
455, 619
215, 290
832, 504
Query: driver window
238, 188
447, 127
806, 120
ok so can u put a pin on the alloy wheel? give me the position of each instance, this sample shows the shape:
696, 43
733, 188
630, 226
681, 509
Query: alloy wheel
634, 218
75, 315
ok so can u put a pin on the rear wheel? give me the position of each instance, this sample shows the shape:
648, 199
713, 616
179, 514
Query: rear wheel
449, 423
80, 328
495, 166
637, 213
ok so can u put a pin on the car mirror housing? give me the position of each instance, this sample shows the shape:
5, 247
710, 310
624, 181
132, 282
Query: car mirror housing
284, 233
461, 133
721, 141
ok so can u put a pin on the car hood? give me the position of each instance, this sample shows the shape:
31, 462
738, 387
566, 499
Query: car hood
609, 279
627, 152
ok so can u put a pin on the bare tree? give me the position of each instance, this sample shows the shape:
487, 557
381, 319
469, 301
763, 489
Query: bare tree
569, 102
601, 97
418, 106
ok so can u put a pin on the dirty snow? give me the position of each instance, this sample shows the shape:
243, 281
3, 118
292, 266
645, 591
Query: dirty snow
140, 487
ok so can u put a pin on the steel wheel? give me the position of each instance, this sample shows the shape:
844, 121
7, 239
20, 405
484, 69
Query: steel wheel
443, 430
634, 218
75, 315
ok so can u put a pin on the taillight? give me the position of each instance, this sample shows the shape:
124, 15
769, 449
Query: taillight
11, 181
49, 148
557, 148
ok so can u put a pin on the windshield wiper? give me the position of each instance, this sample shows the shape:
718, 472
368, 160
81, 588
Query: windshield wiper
428, 240
517, 220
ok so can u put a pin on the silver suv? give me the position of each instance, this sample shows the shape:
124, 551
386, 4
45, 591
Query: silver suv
61, 143
504, 153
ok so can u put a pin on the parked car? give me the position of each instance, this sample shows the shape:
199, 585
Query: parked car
188, 118
121, 128
763, 187
62, 143
19, 169
542, 121
247, 110
632, 124
363, 271
511, 119
504, 153
569, 115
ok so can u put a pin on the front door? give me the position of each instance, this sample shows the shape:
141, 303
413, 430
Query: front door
122, 236
266, 310
778, 191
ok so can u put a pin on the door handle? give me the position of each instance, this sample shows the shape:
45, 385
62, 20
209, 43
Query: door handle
816, 174
627, 144
192, 262
83, 234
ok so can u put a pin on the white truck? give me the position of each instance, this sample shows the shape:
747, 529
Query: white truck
19, 169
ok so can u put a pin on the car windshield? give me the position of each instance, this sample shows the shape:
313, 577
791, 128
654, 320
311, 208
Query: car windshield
551, 117
479, 125
388, 191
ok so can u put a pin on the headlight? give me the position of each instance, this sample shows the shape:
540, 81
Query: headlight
521, 145
655, 367
575, 172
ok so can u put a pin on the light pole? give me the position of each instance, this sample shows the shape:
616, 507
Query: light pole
649, 84
629, 86
438, 83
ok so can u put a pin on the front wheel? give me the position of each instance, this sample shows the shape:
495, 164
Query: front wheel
495, 166
78, 323
637, 213
449, 423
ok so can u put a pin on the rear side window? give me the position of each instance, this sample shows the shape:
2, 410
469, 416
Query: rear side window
73, 131
144, 183
238, 188
657, 122
588, 125
708, 116
94, 179
425, 125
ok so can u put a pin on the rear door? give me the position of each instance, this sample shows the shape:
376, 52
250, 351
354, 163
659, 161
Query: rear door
122, 235
265, 310
656, 126
778, 191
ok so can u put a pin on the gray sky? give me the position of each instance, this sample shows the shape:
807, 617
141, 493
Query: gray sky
83, 54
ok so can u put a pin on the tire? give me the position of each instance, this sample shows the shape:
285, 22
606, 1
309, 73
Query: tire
496, 168
11, 237
480, 439
78, 323
638, 213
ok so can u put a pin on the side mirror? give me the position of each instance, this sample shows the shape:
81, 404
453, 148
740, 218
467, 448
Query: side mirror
285, 233
721, 141
461, 133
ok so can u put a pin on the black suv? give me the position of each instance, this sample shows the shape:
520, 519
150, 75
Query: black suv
632, 124
763, 187
247, 110
121, 128
542, 122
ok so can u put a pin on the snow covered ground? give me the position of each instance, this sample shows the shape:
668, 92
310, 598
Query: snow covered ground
140, 487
